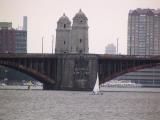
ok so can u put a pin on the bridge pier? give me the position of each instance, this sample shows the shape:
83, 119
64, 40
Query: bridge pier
75, 72
47, 86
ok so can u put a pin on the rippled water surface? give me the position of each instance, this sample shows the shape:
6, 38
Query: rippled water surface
67, 105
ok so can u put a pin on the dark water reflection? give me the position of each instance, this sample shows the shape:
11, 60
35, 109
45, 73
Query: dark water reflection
65, 105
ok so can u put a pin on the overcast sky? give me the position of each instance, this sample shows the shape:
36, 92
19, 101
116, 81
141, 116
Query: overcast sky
107, 19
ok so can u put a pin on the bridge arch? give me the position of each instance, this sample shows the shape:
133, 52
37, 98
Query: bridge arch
127, 70
29, 71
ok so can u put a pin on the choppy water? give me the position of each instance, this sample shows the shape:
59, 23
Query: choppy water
67, 105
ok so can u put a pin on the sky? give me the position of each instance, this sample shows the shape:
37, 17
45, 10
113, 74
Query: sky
107, 20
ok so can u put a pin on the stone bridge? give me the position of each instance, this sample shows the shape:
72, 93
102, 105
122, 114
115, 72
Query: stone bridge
75, 71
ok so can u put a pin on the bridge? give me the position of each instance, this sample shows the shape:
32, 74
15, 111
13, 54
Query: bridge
75, 71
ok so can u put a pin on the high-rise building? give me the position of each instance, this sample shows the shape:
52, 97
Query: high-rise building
12, 40
72, 39
21, 38
144, 32
144, 39
110, 49
21, 41
7, 38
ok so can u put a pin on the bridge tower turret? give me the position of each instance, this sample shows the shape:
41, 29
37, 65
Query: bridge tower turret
79, 33
63, 35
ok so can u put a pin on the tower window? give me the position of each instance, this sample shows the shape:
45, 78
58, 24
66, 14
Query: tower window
80, 40
81, 21
80, 51
64, 42
64, 25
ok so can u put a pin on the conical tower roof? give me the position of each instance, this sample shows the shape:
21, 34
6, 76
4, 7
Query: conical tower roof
64, 19
79, 15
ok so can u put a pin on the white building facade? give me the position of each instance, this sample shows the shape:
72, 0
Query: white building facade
110, 49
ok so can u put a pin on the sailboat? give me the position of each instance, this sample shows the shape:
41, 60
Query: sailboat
96, 90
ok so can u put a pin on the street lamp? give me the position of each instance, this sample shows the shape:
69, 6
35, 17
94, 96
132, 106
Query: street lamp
42, 45
52, 42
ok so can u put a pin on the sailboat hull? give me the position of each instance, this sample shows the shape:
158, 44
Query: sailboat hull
97, 93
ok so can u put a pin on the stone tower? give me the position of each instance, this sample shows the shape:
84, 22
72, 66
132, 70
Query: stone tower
63, 35
79, 33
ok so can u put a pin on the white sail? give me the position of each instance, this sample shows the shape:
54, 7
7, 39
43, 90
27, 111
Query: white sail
96, 87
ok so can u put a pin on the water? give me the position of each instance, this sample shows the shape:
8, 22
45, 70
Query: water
67, 105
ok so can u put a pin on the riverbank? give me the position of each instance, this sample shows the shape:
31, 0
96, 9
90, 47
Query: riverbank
133, 89
15, 87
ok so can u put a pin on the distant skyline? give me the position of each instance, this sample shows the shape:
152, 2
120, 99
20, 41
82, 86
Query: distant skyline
107, 20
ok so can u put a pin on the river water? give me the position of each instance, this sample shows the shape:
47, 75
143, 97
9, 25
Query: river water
73, 105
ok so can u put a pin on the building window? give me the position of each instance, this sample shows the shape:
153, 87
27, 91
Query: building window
64, 42
80, 40
64, 25
80, 51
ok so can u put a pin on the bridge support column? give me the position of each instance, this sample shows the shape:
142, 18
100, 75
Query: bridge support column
75, 72
48, 86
